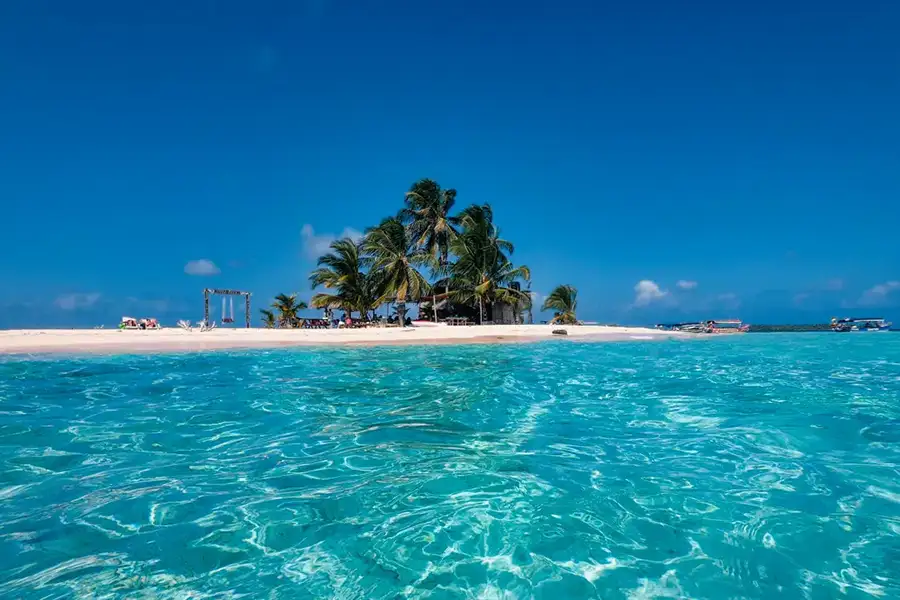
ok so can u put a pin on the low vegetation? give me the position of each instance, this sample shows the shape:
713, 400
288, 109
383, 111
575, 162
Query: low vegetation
790, 328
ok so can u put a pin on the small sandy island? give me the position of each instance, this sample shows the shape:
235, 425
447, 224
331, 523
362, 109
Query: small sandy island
166, 340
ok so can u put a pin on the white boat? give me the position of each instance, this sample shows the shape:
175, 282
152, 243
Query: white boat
427, 323
694, 327
855, 324
725, 326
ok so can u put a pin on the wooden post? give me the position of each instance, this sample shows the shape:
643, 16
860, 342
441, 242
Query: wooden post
247, 309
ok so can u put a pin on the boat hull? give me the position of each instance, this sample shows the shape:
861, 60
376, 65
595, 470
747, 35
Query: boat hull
729, 330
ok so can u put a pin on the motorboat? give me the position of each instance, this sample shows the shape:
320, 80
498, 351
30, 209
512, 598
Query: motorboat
855, 324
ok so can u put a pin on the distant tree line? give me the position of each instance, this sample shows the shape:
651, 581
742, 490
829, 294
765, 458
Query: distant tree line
789, 328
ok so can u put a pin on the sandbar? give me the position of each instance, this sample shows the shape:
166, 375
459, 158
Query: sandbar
34, 341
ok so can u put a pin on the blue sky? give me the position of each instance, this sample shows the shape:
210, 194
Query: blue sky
748, 151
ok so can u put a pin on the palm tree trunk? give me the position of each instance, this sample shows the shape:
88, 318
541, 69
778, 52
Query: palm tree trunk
434, 291
447, 294
401, 312
480, 312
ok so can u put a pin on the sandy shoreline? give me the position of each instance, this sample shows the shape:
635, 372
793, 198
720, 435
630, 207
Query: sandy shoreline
71, 341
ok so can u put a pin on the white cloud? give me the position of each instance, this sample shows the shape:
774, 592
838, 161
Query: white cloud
77, 301
686, 284
317, 244
647, 291
878, 295
202, 266
537, 299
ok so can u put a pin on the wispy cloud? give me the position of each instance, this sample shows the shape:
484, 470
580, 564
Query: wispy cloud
686, 284
647, 291
149, 304
201, 267
537, 299
77, 301
878, 295
317, 244
818, 293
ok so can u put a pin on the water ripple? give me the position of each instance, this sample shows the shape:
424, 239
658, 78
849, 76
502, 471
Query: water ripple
756, 467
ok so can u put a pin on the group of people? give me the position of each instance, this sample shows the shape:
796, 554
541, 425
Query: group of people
132, 323
329, 322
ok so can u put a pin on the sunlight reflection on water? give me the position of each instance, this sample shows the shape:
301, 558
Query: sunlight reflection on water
751, 467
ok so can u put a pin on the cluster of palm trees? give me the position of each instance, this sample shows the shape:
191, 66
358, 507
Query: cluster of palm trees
397, 261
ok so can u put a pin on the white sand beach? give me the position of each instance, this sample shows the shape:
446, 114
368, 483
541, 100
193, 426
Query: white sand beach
174, 339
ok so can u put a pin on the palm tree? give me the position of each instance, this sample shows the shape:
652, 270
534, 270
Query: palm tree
483, 272
563, 301
287, 307
268, 318
493, 282
373, 292
477, 223
340, 272
392, 252
526, 306
431, 225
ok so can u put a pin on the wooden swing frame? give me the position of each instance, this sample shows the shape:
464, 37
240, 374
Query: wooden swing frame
223, 292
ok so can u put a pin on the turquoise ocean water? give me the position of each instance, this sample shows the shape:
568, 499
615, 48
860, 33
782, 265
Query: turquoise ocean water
759, 466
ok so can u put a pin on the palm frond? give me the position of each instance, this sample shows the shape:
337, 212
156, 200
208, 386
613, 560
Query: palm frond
268, 318
564, 301
341, 270
287, 306
332, 301
396, 256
